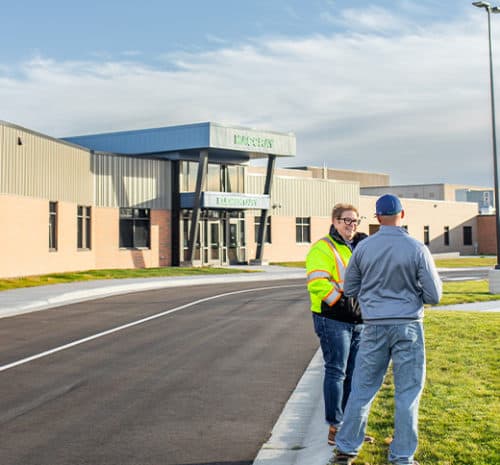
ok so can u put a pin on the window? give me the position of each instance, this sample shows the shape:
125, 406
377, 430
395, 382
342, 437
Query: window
189, 173
446, 236
213, 180
134, 228
302, 229
53, 226
267, 232
83, 227
233, 178
426, 235
467, 235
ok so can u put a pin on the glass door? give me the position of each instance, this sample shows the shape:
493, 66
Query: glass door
213, 241
236, 241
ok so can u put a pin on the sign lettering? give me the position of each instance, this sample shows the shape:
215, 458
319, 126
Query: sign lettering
253, 141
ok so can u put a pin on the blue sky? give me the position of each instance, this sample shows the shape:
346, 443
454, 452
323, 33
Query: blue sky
397, 87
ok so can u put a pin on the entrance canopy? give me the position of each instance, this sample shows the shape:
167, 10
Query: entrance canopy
225, 144
203, 143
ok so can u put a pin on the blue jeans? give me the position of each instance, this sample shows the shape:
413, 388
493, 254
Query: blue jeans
404, 344
339, 343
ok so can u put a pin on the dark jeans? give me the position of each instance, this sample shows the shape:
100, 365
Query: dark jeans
339, 344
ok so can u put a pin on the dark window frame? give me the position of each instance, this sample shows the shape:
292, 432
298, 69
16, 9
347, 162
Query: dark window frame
135, 228
427, 240
467, 235
53, 219
303, 229
446, 235
84, 225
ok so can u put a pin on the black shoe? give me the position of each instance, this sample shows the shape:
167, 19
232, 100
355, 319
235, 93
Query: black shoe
339, 458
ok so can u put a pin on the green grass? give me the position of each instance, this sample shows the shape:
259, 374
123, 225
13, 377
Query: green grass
57, 278
465, 262
460, 292
460, 407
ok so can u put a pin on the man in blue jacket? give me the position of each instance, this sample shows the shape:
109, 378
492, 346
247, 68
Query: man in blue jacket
393, 276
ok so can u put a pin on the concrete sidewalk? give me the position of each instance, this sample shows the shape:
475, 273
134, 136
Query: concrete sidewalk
299, 435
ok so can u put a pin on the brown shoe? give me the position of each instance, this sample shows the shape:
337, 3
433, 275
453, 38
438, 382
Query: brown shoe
332, 431
369, 439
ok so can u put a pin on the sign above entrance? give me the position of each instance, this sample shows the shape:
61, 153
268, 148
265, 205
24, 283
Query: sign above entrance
251, 140
227, 201
233, 143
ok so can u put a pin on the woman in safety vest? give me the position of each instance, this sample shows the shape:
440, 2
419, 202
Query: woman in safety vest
337, 319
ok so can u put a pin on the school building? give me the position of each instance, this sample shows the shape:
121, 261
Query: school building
188, 195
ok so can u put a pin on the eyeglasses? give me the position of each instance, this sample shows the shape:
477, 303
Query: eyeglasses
349, 221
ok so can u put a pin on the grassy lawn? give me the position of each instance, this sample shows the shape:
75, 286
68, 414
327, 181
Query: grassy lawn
460, 407
460, 292
465, 262
459, 262
57, 278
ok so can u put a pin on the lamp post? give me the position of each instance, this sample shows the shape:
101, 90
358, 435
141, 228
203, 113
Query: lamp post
493, 9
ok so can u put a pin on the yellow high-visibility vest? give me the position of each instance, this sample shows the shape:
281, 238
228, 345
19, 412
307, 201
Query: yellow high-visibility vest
326, 263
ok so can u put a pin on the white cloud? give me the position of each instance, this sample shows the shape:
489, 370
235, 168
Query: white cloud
369, 19
414, 105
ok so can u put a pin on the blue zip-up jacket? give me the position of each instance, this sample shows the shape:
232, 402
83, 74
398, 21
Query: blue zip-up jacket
392, 275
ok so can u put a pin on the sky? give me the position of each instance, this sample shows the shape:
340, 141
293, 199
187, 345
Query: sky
398, 87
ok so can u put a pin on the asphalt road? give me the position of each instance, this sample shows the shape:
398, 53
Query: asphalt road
197, 384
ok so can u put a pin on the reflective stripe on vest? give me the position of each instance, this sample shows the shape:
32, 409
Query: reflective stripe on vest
318, 274
336, 292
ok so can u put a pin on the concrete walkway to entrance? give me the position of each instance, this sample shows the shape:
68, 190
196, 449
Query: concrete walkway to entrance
299, 436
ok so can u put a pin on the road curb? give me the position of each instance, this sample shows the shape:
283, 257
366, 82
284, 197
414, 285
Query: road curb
26, 300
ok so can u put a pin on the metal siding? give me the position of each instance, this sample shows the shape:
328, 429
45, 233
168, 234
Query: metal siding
44, 168
131, 182
186, 137
305, 197
147, 140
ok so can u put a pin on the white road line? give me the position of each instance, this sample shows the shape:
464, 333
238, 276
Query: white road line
134, 323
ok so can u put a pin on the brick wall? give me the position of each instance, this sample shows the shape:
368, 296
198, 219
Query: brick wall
486, 234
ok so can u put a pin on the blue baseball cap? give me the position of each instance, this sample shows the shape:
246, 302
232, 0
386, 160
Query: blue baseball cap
388, 205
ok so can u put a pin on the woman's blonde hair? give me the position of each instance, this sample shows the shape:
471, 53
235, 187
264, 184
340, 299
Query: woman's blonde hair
340, 208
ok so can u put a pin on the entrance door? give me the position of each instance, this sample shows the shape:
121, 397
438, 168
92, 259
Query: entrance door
210, 241
236, 241
213, 241
220, 241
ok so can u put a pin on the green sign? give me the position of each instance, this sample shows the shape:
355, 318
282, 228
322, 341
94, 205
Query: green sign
228, 200
253, 141
239, 202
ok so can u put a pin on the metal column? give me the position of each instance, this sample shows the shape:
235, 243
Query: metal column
195, 218
264, 214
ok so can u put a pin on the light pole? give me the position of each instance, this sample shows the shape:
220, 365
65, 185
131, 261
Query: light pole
493, 9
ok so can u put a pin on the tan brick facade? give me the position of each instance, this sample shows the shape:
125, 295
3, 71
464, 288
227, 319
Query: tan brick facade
25, 242
435, 215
